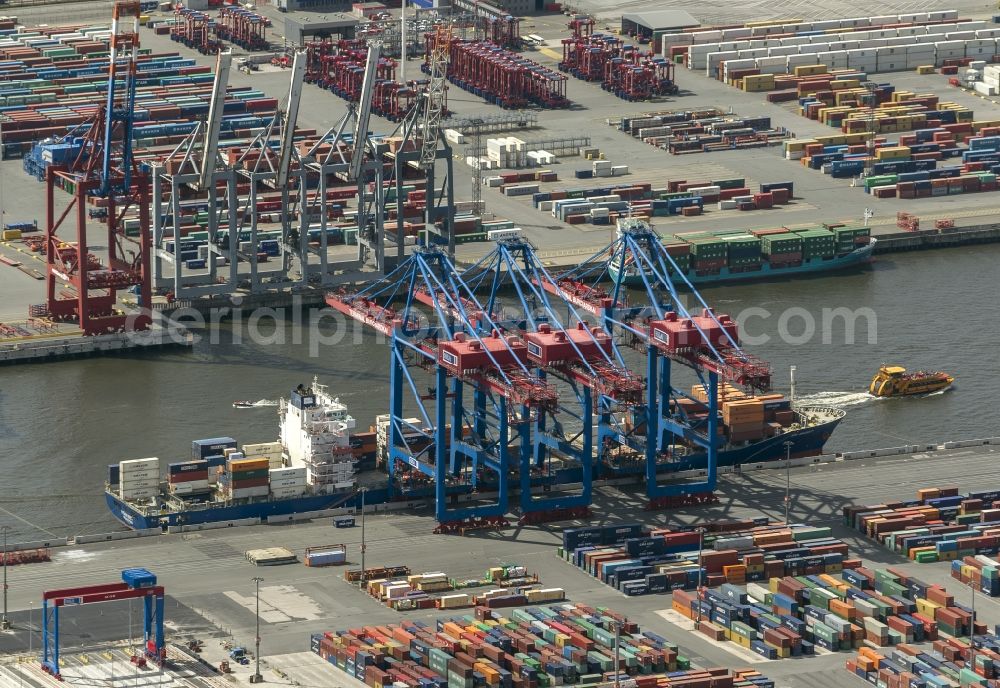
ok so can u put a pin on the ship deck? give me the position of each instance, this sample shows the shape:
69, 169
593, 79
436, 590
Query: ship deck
208, 579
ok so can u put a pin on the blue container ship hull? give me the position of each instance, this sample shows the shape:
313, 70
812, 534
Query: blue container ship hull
855, 258
807, 441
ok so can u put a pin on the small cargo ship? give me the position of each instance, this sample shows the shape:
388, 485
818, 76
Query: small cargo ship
726, 256
894, 381
319, 462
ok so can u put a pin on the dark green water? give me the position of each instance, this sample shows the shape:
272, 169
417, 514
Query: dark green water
62, 423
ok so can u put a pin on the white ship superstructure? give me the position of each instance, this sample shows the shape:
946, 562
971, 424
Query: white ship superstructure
316, 435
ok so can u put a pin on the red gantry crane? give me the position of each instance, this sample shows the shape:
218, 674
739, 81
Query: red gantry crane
102, 173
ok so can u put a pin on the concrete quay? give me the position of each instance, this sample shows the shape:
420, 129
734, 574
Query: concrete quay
210, 592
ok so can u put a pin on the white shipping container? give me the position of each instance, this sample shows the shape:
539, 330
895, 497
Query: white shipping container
133, 464
985, 89
139, 475
782, 50
288, 482
262, 449
139, 484
277, 473
288, 492
138, 493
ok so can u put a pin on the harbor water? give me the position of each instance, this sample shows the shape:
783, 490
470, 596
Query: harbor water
62, 423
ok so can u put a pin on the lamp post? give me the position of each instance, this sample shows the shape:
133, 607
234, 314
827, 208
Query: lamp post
363, 546
788, 478
4, 621
618, 636
972, 631
701, 545
257, 678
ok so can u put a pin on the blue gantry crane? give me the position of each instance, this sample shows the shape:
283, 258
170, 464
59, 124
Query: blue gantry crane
664, 433
485, 396
511, 282
137, 583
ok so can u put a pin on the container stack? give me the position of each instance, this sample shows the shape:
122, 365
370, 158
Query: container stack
980, 572
696, 131
245, 478
287, 482
641, 200
188, 477
139, 479
266, 450
511, 585
744, 419
940, 525
574, 645
637, 561
54, 81
793, 616
949, 662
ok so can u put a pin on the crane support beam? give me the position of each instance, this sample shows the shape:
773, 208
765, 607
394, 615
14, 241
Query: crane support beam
215, 111
86, 590
110, 596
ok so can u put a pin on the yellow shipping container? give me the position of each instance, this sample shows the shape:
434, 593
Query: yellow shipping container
758, 82
247, 464
925, 69
796, 145
11, 234
810, 70
892, 153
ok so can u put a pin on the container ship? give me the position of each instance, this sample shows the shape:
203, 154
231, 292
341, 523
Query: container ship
729, 255
319, 462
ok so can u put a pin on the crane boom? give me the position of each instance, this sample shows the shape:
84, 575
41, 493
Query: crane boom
365, 108
120, 105
291, 118
434, 99
215, 112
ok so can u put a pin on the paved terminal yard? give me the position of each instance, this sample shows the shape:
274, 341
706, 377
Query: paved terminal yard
208, 581
818, 197
211, 595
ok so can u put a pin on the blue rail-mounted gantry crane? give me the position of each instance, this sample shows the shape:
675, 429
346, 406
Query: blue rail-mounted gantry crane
596, 385
633, 286
485, 396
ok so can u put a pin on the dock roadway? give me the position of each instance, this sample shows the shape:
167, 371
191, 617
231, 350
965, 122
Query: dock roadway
211, 595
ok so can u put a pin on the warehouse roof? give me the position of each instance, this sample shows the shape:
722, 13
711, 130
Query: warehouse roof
662, 19
300, 25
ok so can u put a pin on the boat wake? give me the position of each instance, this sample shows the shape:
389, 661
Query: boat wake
837, 399
260, 403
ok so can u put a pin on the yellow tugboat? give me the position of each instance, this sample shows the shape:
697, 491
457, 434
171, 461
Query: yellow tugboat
893, 381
